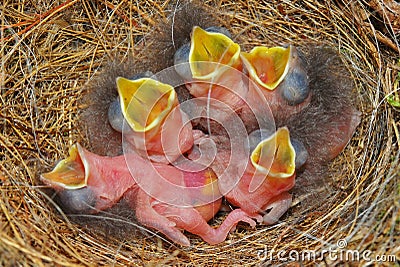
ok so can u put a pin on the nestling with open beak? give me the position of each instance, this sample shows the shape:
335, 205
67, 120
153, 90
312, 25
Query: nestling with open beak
164, 197
160, 130
211, 66
281, 76
267, 178
267, 175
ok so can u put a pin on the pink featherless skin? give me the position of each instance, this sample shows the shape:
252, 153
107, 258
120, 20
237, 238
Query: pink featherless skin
99, 182
165, 145
264, 181
106, 180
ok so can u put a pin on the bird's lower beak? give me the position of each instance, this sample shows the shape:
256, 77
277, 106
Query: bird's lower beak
267, 66
275, 156
69, 173
210, 52
145, 102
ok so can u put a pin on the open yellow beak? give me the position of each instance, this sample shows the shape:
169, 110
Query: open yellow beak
275, 156
68, 173
145, 102
267, 66
211, 47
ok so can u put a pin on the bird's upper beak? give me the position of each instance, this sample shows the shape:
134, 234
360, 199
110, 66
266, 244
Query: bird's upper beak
212, 48
69, 173
275, 156
145, 102
267, 66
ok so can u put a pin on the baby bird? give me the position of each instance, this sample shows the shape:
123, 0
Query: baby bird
280, 74
267, 178
326, 125
160, 130
211, 66
261, 183
164, 197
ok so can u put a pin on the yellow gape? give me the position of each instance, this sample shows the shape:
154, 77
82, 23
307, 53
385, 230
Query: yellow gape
211, 47
267, 66
275, 156
69, 173
145, 102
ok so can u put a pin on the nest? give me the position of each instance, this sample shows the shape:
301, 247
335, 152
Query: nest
51, 50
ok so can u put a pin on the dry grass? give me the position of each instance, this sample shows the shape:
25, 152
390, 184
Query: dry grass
49, 51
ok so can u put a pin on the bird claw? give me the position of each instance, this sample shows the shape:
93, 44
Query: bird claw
278, 206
